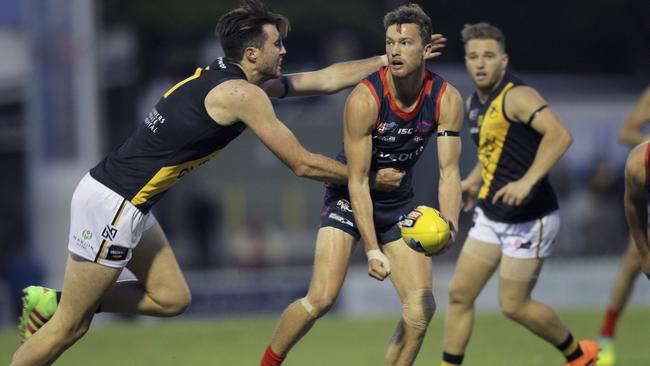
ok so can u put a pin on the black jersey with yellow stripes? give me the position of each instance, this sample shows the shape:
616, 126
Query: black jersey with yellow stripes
176, 137
506, 150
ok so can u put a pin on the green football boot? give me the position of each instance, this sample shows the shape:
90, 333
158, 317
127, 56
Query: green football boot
39, 304
606, 357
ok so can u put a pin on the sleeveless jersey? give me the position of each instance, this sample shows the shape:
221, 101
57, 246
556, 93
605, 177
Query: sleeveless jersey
506, 150
176, 137
399, 137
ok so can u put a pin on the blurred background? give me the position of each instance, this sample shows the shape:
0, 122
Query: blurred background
76, 76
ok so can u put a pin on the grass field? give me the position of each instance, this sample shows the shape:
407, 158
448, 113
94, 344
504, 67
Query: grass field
333, 341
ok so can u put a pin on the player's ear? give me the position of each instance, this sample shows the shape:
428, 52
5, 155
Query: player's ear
251, 54
505, 60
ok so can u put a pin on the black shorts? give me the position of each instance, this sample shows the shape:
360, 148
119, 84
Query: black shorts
337, 213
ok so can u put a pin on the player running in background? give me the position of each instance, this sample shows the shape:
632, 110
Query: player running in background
389, 119
631, 133
637, 187
519, 140
111, 223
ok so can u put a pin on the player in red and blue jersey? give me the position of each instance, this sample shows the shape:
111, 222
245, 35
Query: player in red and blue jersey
389, 118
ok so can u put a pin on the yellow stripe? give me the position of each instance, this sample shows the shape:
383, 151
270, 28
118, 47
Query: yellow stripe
539, 238
570, 349
166, 177
197, 73
493, 133
119, 213
101, 251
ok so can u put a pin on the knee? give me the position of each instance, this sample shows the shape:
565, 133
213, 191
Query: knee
459, 294
418, 309
513, 309
319, 305
175, 302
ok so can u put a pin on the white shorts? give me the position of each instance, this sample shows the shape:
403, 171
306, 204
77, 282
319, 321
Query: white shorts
104, 227
525, 240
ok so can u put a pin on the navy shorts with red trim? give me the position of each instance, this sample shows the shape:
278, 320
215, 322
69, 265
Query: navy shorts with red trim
337, 213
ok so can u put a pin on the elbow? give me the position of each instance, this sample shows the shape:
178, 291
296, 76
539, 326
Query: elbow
301, 170
565, 139
331, 85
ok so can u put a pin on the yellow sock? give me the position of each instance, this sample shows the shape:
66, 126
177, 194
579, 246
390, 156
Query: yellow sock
570, 349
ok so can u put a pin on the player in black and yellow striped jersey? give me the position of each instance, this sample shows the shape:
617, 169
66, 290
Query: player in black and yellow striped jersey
519, 140
190, 124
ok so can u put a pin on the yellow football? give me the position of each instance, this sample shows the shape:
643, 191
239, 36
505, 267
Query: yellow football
425, 230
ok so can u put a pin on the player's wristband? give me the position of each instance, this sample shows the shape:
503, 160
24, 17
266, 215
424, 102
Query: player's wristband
378, 255
448, 133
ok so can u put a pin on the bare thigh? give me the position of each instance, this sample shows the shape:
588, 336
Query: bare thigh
477, 262
84, 285
155, 265
333, 252
410, 270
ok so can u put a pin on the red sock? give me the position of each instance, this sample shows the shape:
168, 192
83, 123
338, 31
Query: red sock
270, 358
609, 323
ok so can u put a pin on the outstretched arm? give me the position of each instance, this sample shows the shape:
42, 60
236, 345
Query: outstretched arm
359, 119
630, 132
523, 104
337, 76
449, 148
635, 201
238, 100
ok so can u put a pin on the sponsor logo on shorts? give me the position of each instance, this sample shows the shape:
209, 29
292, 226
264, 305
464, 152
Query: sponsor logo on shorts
81, 242
523, 245
87, 234
117, 253
341, 219
344, 205
109, 232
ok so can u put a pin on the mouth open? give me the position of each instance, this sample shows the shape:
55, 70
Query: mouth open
397, 64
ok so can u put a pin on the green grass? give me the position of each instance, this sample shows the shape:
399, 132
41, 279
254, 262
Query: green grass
333, 341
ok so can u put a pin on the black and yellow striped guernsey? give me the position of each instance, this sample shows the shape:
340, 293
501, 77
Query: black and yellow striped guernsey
176, 137
506, 150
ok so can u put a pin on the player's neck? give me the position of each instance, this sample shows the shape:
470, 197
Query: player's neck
484, 93
406, 90
252, 75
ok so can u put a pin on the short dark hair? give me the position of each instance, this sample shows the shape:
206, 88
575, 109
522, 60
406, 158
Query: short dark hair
242, 27
483, 30
410, 13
